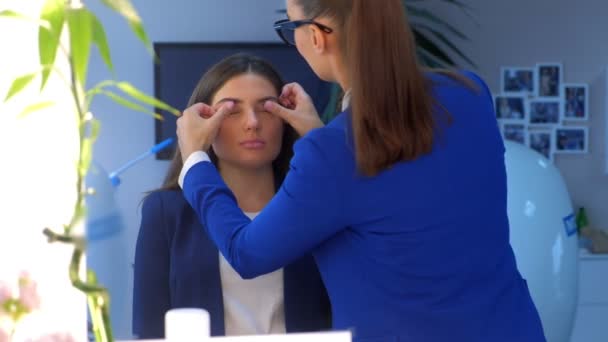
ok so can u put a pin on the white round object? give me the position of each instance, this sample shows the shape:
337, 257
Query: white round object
544, 237
187, 324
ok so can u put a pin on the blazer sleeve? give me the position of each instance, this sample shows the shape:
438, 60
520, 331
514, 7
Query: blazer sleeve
151, 294
295, 221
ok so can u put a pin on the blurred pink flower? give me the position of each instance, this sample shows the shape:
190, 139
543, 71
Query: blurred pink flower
54, 337
4, 336
5, 293
28, 292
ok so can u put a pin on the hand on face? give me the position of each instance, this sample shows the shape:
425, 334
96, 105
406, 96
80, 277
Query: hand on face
296, 108
198, 127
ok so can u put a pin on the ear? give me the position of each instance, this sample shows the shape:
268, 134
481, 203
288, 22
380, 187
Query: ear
318, 39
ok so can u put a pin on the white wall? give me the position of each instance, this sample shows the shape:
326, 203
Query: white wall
126, 134
524, 32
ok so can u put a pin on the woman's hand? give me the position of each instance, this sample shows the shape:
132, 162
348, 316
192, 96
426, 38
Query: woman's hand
198, 127
296, 108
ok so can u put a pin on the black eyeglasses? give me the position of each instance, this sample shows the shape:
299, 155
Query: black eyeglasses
286, 29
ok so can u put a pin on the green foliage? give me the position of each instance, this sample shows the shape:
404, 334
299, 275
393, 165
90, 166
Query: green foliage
434, 47
53, 12
85, 30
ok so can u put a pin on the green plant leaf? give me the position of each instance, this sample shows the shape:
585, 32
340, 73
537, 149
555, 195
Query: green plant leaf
86, 155
80, 26
460, 4
16, 15
99, 38
429, 60
464, 8
90, 94
19, 84
126, 9
424, 43
53, 12
443, 39
130, 90
128, 104
424, 14
95, 127
35, 107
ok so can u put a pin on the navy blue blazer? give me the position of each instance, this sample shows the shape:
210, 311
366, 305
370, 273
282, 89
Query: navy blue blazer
177, 265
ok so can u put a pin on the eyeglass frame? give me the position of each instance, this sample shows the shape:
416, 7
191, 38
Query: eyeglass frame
294, 24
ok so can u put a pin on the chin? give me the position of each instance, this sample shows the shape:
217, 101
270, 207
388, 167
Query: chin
254, 162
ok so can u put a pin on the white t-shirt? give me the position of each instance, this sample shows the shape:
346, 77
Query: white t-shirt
252, 306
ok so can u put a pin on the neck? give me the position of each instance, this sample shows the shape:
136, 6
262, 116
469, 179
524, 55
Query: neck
252, 187
340, 72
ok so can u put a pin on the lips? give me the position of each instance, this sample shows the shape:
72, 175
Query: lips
254, 144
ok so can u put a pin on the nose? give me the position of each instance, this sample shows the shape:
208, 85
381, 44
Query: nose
252, 121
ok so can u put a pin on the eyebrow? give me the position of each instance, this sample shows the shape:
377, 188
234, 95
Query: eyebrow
238, 101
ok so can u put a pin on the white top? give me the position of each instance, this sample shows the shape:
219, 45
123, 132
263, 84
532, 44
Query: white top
252, 306
346, 100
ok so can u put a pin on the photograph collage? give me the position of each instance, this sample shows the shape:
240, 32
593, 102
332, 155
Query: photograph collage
534, 104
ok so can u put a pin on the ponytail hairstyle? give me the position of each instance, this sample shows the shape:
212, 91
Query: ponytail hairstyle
391, 98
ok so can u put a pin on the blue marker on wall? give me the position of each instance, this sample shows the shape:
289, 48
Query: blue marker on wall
155, 149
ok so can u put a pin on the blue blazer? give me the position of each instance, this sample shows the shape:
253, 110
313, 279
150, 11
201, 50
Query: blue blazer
177, 265
419, 252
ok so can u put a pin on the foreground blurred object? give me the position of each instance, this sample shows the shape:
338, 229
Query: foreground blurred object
83, 30
544, 237
107, 240
107, 247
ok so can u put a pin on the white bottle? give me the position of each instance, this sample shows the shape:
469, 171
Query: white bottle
182, 325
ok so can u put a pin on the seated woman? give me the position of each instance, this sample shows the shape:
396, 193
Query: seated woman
177, 265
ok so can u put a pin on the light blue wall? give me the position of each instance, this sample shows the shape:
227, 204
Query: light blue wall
126, 134
524, 32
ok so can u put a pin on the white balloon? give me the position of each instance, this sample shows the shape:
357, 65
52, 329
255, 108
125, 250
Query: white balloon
544, 237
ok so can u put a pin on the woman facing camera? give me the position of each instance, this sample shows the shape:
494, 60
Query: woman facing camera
176, 263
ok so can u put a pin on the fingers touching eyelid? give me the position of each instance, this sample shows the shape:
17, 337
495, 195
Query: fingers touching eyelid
259, 110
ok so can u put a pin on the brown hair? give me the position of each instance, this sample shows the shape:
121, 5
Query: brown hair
208, 86
391, 97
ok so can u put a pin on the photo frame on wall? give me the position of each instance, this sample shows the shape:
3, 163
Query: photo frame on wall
510, 107
514, 131
549, 80
542, 141
544, 112
571, 139
576, 101
518, 81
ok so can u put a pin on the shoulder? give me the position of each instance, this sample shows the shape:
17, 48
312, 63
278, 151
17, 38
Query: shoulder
167, 211
160, 200
458, 83
165, 207
333, 135
326, 146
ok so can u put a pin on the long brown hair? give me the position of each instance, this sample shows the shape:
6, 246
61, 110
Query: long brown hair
208, 86
391, 97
